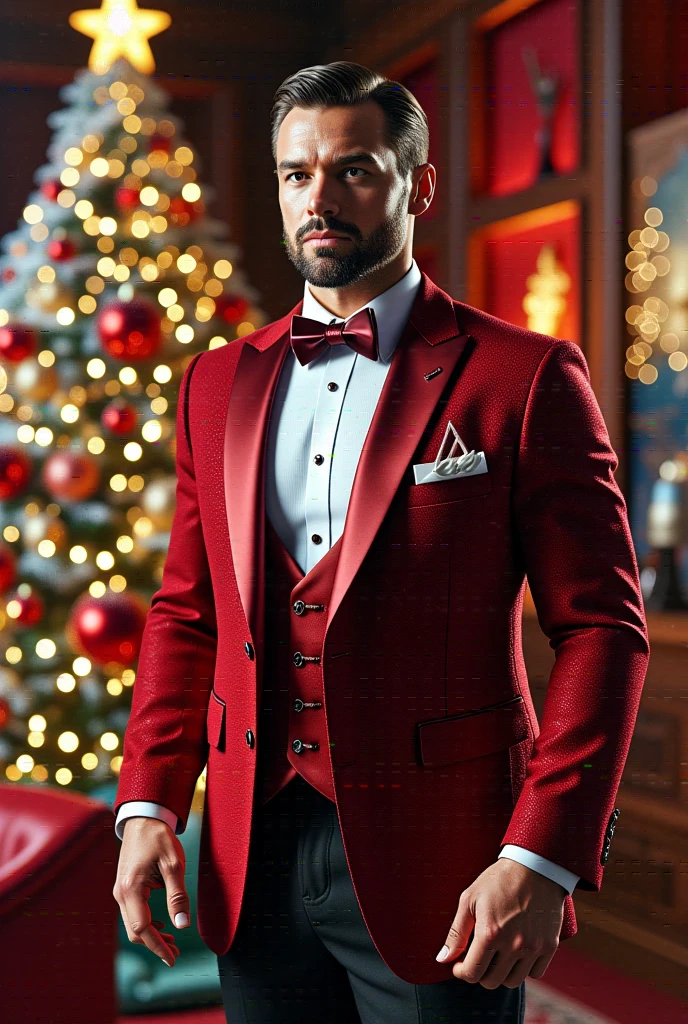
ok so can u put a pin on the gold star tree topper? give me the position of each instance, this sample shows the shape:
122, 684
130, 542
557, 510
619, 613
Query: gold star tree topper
120, 29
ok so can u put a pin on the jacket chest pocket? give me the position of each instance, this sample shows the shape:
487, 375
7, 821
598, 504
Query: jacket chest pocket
215, 721
440, 491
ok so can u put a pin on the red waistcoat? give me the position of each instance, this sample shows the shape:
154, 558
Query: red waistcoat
289, 689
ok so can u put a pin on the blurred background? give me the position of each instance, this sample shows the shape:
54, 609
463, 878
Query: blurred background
140, 223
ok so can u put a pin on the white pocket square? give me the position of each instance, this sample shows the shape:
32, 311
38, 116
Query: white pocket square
450, 466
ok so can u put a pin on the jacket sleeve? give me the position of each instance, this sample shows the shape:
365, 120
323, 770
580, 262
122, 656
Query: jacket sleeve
165, 742
573, 534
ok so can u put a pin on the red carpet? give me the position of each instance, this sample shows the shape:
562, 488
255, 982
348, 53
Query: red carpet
575, 990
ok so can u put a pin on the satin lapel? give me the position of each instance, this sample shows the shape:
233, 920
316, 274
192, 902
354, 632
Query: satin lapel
407, 401
248, 411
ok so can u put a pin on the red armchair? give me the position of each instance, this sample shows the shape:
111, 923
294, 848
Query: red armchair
58, 917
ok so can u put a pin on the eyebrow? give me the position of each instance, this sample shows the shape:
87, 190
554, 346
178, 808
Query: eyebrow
351, 158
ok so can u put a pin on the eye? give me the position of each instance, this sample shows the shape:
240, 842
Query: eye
343, 172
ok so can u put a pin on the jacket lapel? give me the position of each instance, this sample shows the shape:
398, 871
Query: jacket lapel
430, 340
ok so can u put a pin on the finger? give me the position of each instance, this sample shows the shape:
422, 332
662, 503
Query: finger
541, 964
125, 919
478, 958
460, 931
167, 936
139, 917
172, 871
520, 971
500, 967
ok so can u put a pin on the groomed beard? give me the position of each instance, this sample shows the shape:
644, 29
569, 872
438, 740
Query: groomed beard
339, 268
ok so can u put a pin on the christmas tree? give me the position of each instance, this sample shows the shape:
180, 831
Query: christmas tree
115, 277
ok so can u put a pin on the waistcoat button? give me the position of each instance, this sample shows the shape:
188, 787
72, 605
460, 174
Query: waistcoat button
332, 386
298, 746
249, 650
319, 459
316, 538
250, 739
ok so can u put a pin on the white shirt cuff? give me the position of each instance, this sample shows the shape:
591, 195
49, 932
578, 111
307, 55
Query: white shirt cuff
543, 866
144, 809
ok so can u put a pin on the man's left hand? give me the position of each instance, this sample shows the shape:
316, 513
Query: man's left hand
515, 914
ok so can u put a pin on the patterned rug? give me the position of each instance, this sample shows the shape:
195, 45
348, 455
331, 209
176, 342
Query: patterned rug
544, 1005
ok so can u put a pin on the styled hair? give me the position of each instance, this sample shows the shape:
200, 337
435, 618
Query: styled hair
343, 83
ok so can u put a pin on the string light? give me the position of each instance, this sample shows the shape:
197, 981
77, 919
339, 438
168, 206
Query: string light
65, 316
70, 176
186, 263
33, 213
222, 269
191, 192
132, 124
149, 195
99, 167
83, 209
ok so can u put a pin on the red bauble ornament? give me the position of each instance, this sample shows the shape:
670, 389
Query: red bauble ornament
15, 472
119, 417
182, 212
127, 198
130, 331
61, 250
30, 604
159, 142
8, 568
9, 274
52, 188
5, 713
17, 342
72, 476
107, 628
232, 308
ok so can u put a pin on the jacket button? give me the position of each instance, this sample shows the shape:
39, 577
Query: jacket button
249, 650
299, 607
299, 659
250, 739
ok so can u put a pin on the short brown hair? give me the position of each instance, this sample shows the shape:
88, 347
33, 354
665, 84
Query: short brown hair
344, 83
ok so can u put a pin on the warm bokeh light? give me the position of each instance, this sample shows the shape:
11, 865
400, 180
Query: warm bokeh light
120, 29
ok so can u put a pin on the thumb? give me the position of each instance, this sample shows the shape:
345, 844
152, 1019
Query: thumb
177, 897
460, 931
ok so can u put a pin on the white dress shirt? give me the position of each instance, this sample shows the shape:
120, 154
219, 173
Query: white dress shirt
303, 498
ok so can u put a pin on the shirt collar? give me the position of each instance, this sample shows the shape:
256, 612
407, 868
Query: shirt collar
392, 308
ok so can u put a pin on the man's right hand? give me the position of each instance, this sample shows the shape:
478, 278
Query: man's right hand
151, 857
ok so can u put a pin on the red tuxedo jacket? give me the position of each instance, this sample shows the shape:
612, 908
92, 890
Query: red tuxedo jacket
427, 601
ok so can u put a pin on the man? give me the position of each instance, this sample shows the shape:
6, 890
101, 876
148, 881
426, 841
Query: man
338, 629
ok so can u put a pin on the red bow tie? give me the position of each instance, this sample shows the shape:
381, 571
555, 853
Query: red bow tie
311, 337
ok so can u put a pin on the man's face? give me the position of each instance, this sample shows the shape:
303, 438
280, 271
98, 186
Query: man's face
365, 200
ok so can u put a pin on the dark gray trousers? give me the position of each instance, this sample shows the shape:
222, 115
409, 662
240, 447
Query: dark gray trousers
303, 954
